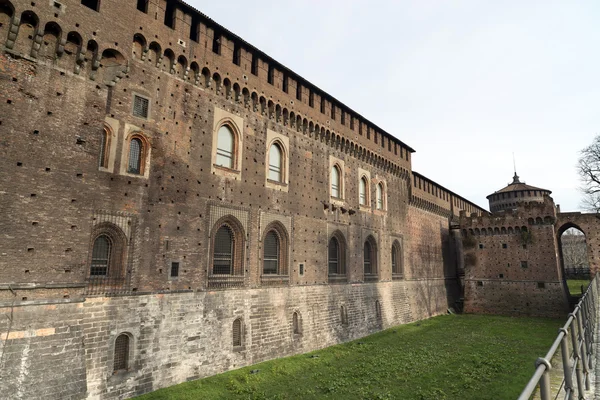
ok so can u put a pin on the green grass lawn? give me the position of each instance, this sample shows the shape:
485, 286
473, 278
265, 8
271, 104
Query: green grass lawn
575, 286
446, 357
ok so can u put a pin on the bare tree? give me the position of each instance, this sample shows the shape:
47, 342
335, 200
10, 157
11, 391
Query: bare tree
589, 171
574, 249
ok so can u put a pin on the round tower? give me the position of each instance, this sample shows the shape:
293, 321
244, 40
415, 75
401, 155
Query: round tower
516, 192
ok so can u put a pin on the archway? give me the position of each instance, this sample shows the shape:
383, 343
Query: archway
574, 258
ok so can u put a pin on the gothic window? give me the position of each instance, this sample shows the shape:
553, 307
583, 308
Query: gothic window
336, 182
336, 255
271, 253
225, 147
363, 187
121, 356
397, 260
367, 258
223, 256
136, 156
380, 196
275, 163
101, 255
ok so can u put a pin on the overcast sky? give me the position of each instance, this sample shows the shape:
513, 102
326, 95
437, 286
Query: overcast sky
465, 83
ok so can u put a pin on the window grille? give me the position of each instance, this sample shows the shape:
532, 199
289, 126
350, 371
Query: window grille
135, 156
367, 258
271, 254
174, 269
140, 106
223, 252
121, 359
237, 333
333, 256
101, 256
275, 161
362, 193
225, 147
335, 181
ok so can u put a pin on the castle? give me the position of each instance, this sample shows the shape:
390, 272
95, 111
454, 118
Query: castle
176, 203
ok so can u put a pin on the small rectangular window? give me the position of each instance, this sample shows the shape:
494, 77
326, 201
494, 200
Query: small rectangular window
299, 91
301, 269
195, 29
285, 84
525, 246
322, 105
271, 75
333, 111
237, 53
140, 106
351, 122
311, 99
254, 65
479, 283
541, 285
170, 15
504, 245
174, 269
142, 5
523, 264
501, 276
93, 4
368, 132
216, 47
481, 245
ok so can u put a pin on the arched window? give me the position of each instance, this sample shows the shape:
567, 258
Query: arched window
296, 324
121, 358
225, 147
379, 197
334, 256
237, 332
336, 188
370, 259
135, 156
104, 149
271, 253
223, 256
363, 186
101, 254
367, 258
397, 263
275, 163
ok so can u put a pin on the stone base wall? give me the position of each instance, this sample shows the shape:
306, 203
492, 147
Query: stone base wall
518, 298
177, 337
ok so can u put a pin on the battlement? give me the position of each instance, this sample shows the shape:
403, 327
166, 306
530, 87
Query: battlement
186, 43
526, 213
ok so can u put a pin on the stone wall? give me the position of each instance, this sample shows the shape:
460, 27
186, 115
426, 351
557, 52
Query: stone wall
181, 336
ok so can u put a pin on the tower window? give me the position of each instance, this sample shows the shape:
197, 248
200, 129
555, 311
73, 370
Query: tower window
93, 4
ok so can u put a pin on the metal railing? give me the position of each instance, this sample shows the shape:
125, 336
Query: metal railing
576, 353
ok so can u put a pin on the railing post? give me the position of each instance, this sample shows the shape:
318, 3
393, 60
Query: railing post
576, 351
582, 345
545, 379
564, 347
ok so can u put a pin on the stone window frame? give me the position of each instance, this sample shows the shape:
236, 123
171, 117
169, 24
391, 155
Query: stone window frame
239, 344
283, 143
170, 268
235, 123
342, 267
148, 111
373, 275
130, 353
297, 324
339, 163
145, 153
117, 259
239, 244
283, 261
362, 173
383, 184
397, 249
